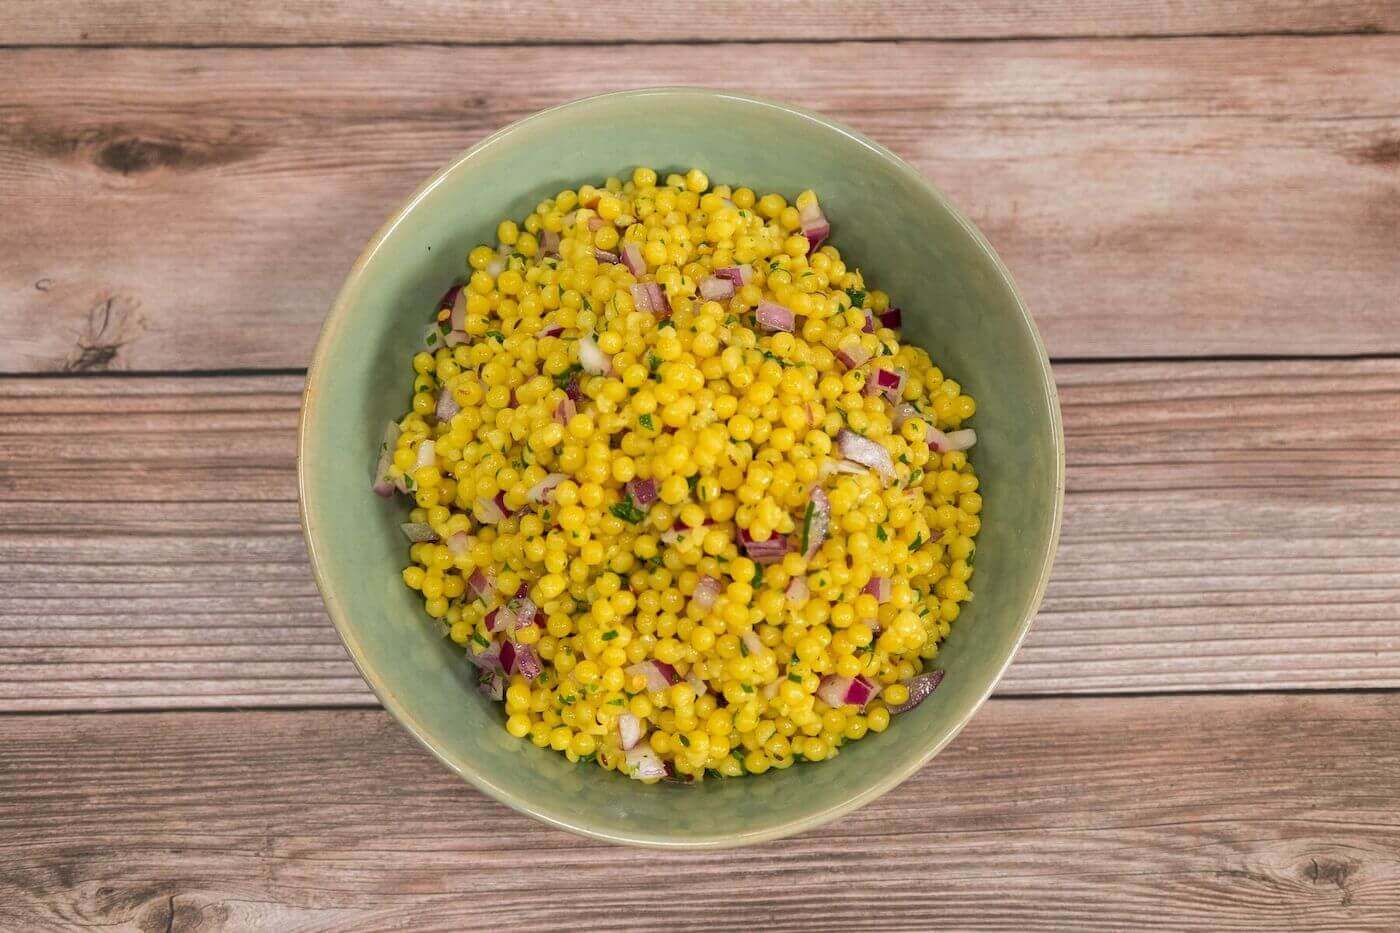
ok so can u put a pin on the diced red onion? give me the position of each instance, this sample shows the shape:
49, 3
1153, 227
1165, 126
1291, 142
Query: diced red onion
491, 684
852, 354
643, 764
814, 225
447, 406
893, 319
509, 649
565, 410
541, 491
775, 317
887, 382
481, 583
418, 532
953, 440
763, 552
656, 298
500, 619
383, 485
629, 730
815, 522
572, 388
642, 491
459, 543
489, 659
524, 609
605, 257
595, 222
592, 358
739, 275
449, 297
865, 451
797, 591
527, 662
659, 674
919, 687
837, 691
553, 330
716, 288
549, 243
489, 512
869, 326
631, 256
879, 587
706, 593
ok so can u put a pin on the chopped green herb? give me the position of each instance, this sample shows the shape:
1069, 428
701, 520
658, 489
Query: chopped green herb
617, 701
646, 422
747, 688
408, 482
795, 678
857, 297
757, 582
918, 543
609, 636
562, 380
653, 363
478, 640
743, 649
692, 481
916, 476
628, 512
880, 533
665, 322
685, 740
904, 459
496, 336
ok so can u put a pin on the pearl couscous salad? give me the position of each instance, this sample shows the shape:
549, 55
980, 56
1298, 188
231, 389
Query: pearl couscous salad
681, 494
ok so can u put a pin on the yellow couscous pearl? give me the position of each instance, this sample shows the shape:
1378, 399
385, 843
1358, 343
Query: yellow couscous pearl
626, 498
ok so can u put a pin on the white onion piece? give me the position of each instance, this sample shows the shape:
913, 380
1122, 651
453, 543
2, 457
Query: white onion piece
775, 317
656, 299
500, 619
527, 662
605, 257
865, 451
483, 584
814, 225
496, 266
549, 243
631, 256
752, 643
383, 485
418, 532
488, 512
716, 288
815, 522
491, 685
447, 406
706, 593
595, 222
459, 543
459, 309
629, 730
592, 358
852, 353
644, 765
641, 297
797, 591
830, 468
455, 338
698, 685
770, 689
565, 410
953, 440
920, 687
541, 491
488, 659
427, 454
903, 412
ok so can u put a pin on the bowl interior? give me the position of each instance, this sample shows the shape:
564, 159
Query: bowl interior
958, 303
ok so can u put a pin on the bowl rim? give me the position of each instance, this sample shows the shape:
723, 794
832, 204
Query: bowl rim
580, 824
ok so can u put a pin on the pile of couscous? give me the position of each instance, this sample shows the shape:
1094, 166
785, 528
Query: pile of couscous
680, 492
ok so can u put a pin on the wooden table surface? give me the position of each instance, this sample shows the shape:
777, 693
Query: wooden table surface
1201, 203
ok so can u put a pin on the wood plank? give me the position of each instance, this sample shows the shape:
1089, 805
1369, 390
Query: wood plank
1252, 182
1230, 526
1208, 812
474, 22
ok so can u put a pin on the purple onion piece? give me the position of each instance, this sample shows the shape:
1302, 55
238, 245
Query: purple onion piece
919, 689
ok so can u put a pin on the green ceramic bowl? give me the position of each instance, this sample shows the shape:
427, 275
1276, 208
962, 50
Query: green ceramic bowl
958, 302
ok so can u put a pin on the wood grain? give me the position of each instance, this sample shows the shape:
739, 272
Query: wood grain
1172, 198
472, 22
1209, 812
1229, 526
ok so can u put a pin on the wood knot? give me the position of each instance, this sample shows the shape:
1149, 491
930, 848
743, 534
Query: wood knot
132, 156
1383, 152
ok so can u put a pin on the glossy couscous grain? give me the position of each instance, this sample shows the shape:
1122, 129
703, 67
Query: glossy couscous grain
680, 493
